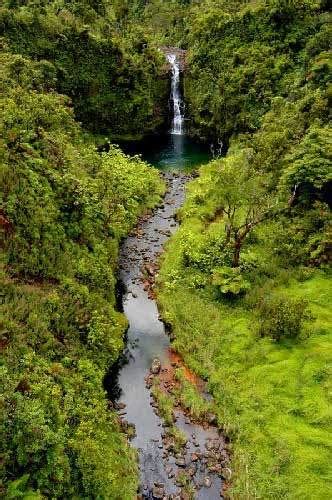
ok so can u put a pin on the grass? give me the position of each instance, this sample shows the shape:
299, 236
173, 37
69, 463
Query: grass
166, 404
272, 399
191, 399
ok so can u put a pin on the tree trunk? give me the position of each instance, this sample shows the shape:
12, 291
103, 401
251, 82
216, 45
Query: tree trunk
237, 251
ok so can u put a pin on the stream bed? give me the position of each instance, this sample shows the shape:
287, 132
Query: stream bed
181, 460
147, 340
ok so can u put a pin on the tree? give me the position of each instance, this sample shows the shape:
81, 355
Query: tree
308, 172
244, 199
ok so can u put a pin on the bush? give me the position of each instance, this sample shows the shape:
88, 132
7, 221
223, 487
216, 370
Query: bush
281, 318
229, 281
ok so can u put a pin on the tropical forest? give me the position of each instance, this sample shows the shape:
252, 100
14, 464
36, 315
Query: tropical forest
165, 250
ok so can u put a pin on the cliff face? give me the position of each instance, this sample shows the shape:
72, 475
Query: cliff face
180, 55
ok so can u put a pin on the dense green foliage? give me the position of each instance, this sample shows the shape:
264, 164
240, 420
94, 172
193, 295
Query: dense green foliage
64, 208
245, 282
239, 61
106, 66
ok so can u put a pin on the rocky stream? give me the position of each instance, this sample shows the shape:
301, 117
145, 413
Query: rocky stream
200, 467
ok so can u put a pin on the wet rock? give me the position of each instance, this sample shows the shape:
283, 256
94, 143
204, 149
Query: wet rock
180, 462
209, 445
207, 482
192, 470
159, 485
119, 406
158, 492
215, 469
169, 446
149, 381
155, 366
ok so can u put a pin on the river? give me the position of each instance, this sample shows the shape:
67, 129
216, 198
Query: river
147, 339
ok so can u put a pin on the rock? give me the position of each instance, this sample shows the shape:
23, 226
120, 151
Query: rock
192, 471
119, 406
227, 473
155, 366
150, 269
209, 445
149, 382
207, 482
158, 492
215, 469
159, 485
194, 457
180, 462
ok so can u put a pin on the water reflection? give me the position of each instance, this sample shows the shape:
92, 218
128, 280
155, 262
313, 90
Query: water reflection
170, 152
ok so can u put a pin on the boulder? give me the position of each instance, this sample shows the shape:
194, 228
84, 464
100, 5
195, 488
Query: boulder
207, 482
155, 366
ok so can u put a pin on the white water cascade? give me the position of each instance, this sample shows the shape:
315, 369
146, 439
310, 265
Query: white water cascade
177, 126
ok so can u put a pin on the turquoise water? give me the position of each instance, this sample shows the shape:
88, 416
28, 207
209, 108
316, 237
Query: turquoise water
170, 152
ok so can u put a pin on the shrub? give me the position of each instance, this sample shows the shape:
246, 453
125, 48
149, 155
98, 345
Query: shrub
229, 281
281, 318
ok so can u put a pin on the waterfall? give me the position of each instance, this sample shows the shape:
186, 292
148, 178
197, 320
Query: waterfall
177, 126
